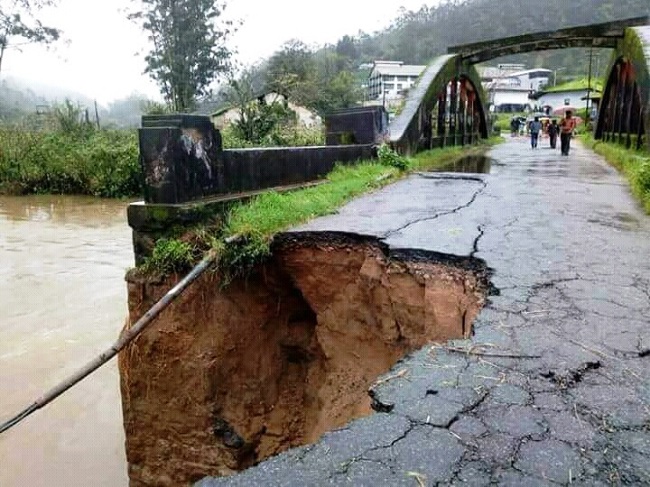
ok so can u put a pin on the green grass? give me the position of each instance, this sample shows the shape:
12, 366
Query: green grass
575, 85
635, 165
256, 222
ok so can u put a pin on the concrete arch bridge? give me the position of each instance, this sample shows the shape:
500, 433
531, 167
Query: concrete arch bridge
448, 107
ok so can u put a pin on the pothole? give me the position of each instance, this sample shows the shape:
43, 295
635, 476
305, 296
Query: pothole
229, 377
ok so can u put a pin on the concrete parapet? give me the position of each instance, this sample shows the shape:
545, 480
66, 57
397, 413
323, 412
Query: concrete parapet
190, 178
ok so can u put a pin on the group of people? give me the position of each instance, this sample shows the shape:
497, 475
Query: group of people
564, 129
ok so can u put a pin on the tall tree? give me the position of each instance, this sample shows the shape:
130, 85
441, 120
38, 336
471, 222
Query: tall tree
19, 24
292, 72
189, 50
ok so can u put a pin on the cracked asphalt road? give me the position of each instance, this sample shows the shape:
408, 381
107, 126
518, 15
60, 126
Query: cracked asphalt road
553, 388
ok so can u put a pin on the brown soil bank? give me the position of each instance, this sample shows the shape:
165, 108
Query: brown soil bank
230, 376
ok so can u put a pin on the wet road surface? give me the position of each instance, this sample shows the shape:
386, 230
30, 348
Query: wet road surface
553, 388
62, 301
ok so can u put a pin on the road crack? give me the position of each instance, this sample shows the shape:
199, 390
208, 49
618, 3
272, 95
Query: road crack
395, 231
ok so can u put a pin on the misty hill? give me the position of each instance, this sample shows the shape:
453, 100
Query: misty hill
416, 37
329, 78
20, 100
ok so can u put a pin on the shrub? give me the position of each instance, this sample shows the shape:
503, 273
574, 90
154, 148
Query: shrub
388, 157
170, 255
74, 161
282, 135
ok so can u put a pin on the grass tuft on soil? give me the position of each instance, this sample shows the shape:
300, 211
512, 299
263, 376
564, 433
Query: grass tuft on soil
255, 222
634, 164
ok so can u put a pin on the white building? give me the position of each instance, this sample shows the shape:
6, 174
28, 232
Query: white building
509, 87
570, 98
389, 79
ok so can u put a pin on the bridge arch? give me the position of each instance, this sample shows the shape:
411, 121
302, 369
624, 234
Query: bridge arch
446, 107
625, 108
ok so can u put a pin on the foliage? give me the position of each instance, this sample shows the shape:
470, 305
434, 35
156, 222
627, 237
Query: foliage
328, 78
155, 108
259, 114
578, 84
280, 136
388, 157
93, 162
19, 24
168, 256
453, 22
68, 118
188, 49
291, 72
322, 81
635, 165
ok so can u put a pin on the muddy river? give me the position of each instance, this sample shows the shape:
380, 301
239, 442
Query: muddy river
62, 301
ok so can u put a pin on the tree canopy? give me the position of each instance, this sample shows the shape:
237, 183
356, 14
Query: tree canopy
188, 47
20, 25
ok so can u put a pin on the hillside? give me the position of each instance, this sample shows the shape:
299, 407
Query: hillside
330, 77
416, 37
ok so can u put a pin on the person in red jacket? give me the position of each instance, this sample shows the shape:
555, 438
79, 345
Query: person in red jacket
567, 126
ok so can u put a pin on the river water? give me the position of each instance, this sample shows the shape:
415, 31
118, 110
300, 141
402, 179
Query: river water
62, 301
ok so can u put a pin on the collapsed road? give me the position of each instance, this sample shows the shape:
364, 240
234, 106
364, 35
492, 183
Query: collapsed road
552, 386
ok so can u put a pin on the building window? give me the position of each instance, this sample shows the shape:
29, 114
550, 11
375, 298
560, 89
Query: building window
389, 86
402, 78
399, 86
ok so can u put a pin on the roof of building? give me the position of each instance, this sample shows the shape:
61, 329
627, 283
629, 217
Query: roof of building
528, 71
492, 72
398, 68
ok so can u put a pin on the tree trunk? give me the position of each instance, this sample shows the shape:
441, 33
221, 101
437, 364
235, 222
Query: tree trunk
3, 46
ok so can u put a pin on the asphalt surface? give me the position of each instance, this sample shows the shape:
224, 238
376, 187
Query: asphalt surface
555, 388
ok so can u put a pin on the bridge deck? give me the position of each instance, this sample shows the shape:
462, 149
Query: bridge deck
569, 248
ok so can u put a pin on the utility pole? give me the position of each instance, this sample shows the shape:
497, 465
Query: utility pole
591, 60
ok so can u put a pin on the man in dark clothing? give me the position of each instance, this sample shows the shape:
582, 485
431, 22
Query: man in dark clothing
514, 127
553, 130
535, 129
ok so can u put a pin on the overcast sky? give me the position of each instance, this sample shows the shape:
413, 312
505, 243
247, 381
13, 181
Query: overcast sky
100, 60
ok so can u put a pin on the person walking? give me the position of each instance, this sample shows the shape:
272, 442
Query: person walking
567, 126
553, 130
514, 127
535, 129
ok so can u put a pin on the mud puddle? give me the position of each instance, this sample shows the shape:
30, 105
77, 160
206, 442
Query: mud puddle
476, 164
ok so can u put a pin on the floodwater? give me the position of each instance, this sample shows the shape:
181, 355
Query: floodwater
62, 301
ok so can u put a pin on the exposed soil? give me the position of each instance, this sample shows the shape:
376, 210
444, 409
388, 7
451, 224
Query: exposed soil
230, 376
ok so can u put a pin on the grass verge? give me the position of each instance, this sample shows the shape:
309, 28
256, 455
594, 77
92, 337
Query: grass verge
635, 165
256, 222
